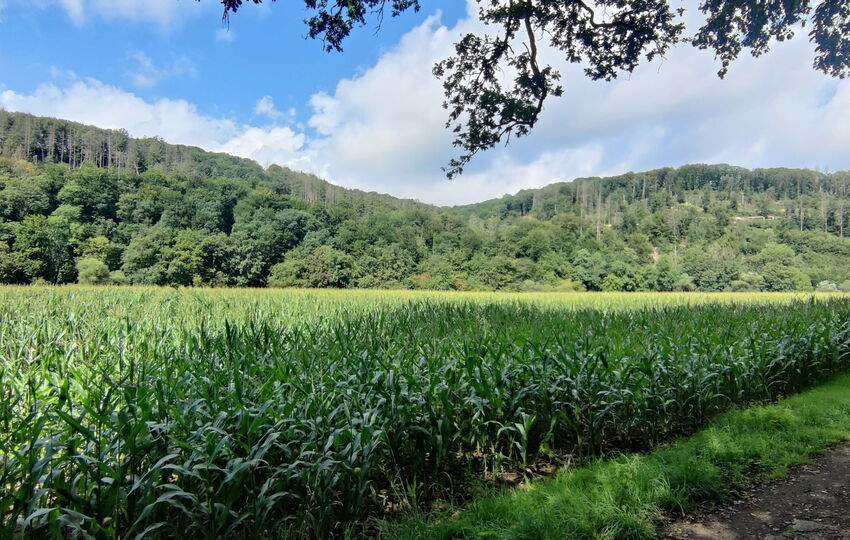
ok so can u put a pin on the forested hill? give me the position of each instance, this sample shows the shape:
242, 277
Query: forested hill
79, 203
42, 140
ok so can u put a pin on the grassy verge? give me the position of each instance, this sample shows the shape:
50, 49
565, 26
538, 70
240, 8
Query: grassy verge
629, 496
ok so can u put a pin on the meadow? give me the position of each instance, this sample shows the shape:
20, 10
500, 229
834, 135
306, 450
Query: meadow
289, 413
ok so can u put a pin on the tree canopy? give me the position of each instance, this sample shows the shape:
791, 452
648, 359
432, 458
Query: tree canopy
496, 84
78, 203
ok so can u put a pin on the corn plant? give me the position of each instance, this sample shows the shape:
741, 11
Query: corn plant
132, 412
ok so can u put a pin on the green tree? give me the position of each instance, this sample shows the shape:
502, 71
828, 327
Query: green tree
712, 269
588, 269
748, 282
92, 189
102, 249
143, 261
45, 246
779, 271
608, 37
185, 259
288, 273
684, 283
14, 266
666, 273
327, 267
262, 238
613, 283
23, 197
91, 271
826, 286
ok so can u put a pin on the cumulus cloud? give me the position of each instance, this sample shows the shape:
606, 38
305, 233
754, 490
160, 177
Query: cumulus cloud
225, 34
177, 121
269, 145
160, 11
265, 107
146, 74
75, 10
383, 129
164, 13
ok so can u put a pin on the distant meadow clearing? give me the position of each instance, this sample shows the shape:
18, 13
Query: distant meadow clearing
255, 413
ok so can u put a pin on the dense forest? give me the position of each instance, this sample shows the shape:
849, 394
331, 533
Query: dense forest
89, 205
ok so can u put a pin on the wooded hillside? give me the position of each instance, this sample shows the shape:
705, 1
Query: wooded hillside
79, 203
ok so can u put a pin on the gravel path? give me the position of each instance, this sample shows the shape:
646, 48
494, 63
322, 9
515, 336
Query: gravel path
812, 503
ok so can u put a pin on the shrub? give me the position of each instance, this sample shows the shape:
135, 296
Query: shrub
91, 271
827, 286
117, 277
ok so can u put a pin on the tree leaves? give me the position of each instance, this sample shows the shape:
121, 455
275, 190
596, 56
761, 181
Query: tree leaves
496, 86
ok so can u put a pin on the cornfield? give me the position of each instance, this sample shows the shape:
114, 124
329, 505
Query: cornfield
129, 412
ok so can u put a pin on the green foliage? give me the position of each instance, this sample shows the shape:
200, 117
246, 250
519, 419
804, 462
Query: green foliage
684, 283
92, 271
778, 277
712, 269
666, 274
44, 249
826, 286
268, 413
117, 277
287, 273
173, 215
629, 496
327, 267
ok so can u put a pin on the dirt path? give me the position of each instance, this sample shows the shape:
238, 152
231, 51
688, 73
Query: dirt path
812, 503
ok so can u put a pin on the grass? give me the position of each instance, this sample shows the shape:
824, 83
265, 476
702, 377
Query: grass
247, 414
629, 496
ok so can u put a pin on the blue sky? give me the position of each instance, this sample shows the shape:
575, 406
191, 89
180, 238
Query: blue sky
370, 117
193, 55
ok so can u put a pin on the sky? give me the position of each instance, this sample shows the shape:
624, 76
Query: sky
371, 117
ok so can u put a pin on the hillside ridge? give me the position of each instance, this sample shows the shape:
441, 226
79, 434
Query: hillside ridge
80, 203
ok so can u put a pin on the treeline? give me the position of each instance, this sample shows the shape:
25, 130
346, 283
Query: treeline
78, 203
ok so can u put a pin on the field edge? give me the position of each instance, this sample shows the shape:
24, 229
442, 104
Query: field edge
635, 496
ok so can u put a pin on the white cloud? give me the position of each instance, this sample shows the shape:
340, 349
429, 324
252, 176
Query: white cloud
160, 11
265, 107
146, 74
178, 121
164, 13
383, 129
225, 34
269, 145
62, 74
75, 10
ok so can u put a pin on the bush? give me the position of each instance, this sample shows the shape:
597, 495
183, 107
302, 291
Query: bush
91, 271
826, 286
684, 283
613, 283
118, 277
530, 285
287, 274
569, 285
739, 286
